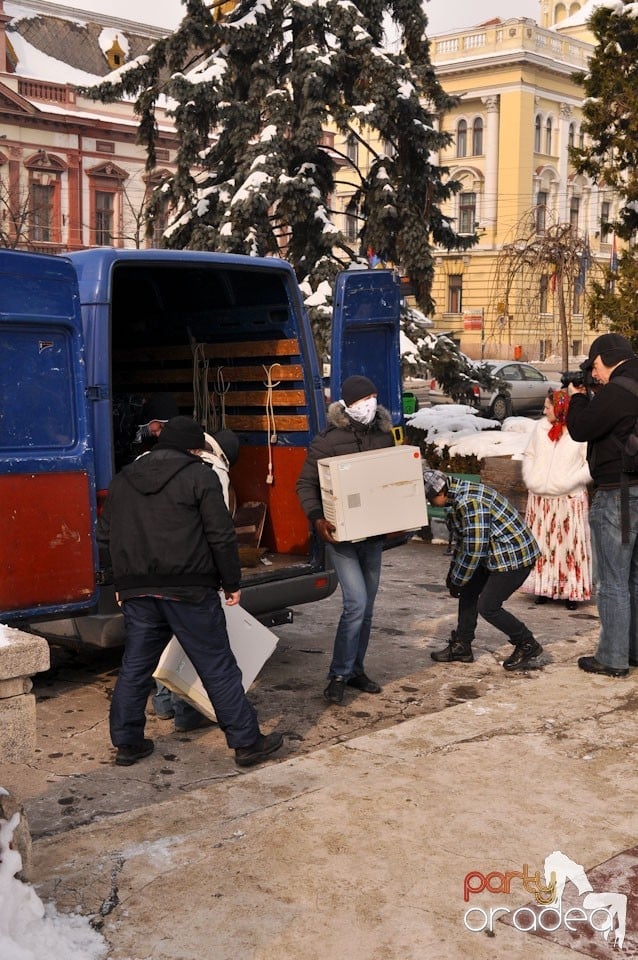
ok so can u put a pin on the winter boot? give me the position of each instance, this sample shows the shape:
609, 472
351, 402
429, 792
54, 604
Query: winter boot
460, 650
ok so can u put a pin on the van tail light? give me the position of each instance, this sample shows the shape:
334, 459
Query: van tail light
101, 497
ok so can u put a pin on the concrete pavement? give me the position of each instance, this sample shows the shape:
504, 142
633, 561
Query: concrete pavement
361, 849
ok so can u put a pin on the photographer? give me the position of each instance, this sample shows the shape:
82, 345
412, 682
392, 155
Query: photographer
604, 418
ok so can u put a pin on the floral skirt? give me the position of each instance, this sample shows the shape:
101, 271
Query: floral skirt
561, 527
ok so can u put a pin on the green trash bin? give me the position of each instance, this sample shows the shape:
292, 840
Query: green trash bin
409, 403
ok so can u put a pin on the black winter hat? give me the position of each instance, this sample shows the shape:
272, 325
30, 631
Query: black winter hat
181, 433
229, 442
356, 388
612, 347
160, 406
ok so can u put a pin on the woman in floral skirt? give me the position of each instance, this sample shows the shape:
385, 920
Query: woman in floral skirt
556, 475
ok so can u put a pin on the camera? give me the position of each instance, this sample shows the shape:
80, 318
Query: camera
575, 377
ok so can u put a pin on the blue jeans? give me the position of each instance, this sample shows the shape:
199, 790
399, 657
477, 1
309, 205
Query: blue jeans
358, 567
616, 578
149, 623
166, 702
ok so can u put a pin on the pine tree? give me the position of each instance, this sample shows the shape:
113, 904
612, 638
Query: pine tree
250, 95
610, 158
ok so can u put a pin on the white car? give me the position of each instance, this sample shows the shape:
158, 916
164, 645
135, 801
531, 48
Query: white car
526, 389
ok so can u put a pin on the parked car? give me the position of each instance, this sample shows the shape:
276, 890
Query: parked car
520, 389
523, 391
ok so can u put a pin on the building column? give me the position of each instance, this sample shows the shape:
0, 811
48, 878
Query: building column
565, 113
489, 205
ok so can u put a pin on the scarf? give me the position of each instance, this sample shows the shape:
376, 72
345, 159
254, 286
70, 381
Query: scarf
560, 402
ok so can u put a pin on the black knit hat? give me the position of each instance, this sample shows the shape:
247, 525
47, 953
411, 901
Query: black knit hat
356, 388
181, 433
160, 406
229, 442
612, 348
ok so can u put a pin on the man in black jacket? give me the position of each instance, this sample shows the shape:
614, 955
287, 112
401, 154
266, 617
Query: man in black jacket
355, 423
167, 535
604, 418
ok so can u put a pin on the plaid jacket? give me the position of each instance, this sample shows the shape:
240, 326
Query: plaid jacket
486, 529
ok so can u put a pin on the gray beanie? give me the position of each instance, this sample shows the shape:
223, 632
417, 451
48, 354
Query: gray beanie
434, 481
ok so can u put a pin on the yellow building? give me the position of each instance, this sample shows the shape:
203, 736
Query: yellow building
519, 111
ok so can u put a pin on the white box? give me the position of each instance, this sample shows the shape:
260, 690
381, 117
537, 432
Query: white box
251, 642
373, 492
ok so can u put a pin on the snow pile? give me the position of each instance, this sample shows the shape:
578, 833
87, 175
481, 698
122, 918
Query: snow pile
465, 433
29, 930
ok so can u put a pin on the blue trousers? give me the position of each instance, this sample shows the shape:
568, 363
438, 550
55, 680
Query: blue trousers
615, 577
201, 629
358, 567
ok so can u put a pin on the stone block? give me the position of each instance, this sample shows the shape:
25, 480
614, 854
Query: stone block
15, 687
21, 840
17, 723
22, 654
505, 475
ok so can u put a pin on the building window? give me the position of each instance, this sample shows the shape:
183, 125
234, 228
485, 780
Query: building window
352, 149
540, 213
571, 136
41, 209
455, 293
605, 214
537, 134
104, 218
548, 135
543, 293
581, 139
578, 297
477, 137
461, 138
574, 209
106, 207
467, 212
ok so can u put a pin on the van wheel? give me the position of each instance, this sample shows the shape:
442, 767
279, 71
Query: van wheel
501, 408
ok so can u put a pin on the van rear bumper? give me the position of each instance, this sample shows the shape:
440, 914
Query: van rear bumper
106, 628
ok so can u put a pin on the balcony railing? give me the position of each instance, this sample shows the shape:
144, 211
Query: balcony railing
41, 90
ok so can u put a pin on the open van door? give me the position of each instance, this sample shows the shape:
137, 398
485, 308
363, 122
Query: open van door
47, 486
366, 334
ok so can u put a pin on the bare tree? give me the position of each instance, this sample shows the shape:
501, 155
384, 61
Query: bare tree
539, 262
17, 213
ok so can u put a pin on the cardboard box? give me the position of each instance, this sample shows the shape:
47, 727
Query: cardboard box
374, 492
251, 642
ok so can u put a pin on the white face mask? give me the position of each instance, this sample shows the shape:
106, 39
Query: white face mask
363, 411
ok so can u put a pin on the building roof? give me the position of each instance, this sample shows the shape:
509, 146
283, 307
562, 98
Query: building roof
68, 45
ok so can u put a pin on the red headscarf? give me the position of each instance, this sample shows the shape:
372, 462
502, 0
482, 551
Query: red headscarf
560, 402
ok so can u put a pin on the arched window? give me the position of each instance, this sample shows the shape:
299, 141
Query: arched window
548, 135
477, 137
581, 138
352, 149
571, 136
461, 138
537, 133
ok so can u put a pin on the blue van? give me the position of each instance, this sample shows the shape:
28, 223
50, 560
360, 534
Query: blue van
86, 338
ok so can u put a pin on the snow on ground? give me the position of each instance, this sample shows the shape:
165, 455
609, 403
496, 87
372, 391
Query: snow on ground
464, 432
29, 930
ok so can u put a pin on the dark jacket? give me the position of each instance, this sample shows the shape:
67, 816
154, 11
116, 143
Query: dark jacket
604, 422
165, 524
342, 436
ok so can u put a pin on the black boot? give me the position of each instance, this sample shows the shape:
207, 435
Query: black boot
459, 650
523, 654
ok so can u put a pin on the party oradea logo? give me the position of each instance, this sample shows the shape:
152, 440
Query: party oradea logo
596, 915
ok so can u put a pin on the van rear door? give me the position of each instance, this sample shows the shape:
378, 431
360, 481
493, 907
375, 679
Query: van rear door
47, 487
366, 332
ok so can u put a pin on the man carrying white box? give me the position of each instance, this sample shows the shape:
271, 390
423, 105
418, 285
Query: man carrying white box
355, 424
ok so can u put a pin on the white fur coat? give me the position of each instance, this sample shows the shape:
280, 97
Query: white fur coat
554, 469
